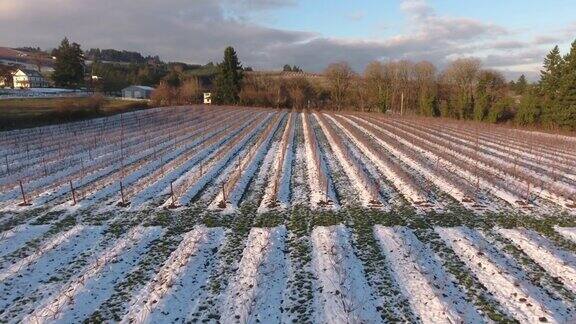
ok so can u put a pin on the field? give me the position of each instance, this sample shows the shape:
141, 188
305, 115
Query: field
31, 112
246, 215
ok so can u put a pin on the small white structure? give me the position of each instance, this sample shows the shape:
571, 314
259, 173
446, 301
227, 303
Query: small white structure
137, 92
25, 78
207, 98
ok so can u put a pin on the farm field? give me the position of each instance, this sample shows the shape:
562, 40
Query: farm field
247, 215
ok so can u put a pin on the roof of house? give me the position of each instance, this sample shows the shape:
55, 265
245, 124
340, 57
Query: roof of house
139, 87
30, 73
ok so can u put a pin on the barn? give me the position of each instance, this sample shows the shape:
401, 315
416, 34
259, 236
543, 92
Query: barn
137, 92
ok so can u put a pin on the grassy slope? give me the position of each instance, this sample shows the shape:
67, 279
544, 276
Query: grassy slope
31, 112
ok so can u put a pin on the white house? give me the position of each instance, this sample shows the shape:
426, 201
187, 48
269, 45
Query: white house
25, 78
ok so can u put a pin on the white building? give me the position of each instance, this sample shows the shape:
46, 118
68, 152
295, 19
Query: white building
137, 92
24, 78
207, 98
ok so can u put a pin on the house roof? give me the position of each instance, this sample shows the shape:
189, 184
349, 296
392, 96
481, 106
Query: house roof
139, 87
30, 73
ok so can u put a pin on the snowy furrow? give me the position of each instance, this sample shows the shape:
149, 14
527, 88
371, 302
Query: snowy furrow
239, 179
147, 299
431, 291
342, 294
567, 232
69, 172
189, 290
52, 308
277, 190
503, 194
518, 296
214, 166
526, 159
54, 242
443, 183
14, 238
368, 195
101, 286
20, 293
255, 293
555, 190
412, 194
321, 187
558, 263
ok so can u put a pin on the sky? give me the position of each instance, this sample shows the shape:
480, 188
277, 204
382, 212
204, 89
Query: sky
512, 36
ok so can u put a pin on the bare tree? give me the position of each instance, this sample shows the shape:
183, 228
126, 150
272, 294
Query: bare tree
339, 77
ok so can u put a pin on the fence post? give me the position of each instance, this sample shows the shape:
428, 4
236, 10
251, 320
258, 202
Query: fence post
172, 193
7, 165
22, 191
122, 193
73, 192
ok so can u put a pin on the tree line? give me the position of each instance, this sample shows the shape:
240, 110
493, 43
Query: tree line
462, 90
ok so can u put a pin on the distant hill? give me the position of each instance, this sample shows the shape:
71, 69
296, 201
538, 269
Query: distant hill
32, 59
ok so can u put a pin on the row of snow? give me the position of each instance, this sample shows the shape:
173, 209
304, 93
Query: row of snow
134, 162
256, 293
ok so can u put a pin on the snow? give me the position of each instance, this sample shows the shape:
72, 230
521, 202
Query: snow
342, 294
431, 291
518, 296
147, 299
352, 170
33, 280
56, 304
255, 293
101, 286
56, 241
214, 167
567, 232
321, 193
410, 192
499, 192
248, 165
278, 188
13, 239
190, 288
560, 264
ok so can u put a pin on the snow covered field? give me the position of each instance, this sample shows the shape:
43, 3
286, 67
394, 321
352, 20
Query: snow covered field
248, 215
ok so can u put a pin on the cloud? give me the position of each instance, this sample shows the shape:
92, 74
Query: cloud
197, 32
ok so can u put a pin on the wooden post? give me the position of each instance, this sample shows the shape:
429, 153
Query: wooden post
7, 165
172, 193
22, 191
73, 192
224, 192
402, 104
122, 193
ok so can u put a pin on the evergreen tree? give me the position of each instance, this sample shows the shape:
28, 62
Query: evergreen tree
69, 66
228, 78
550, 83
529, 110
564, 109
287, 68
550, 76
520, 86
